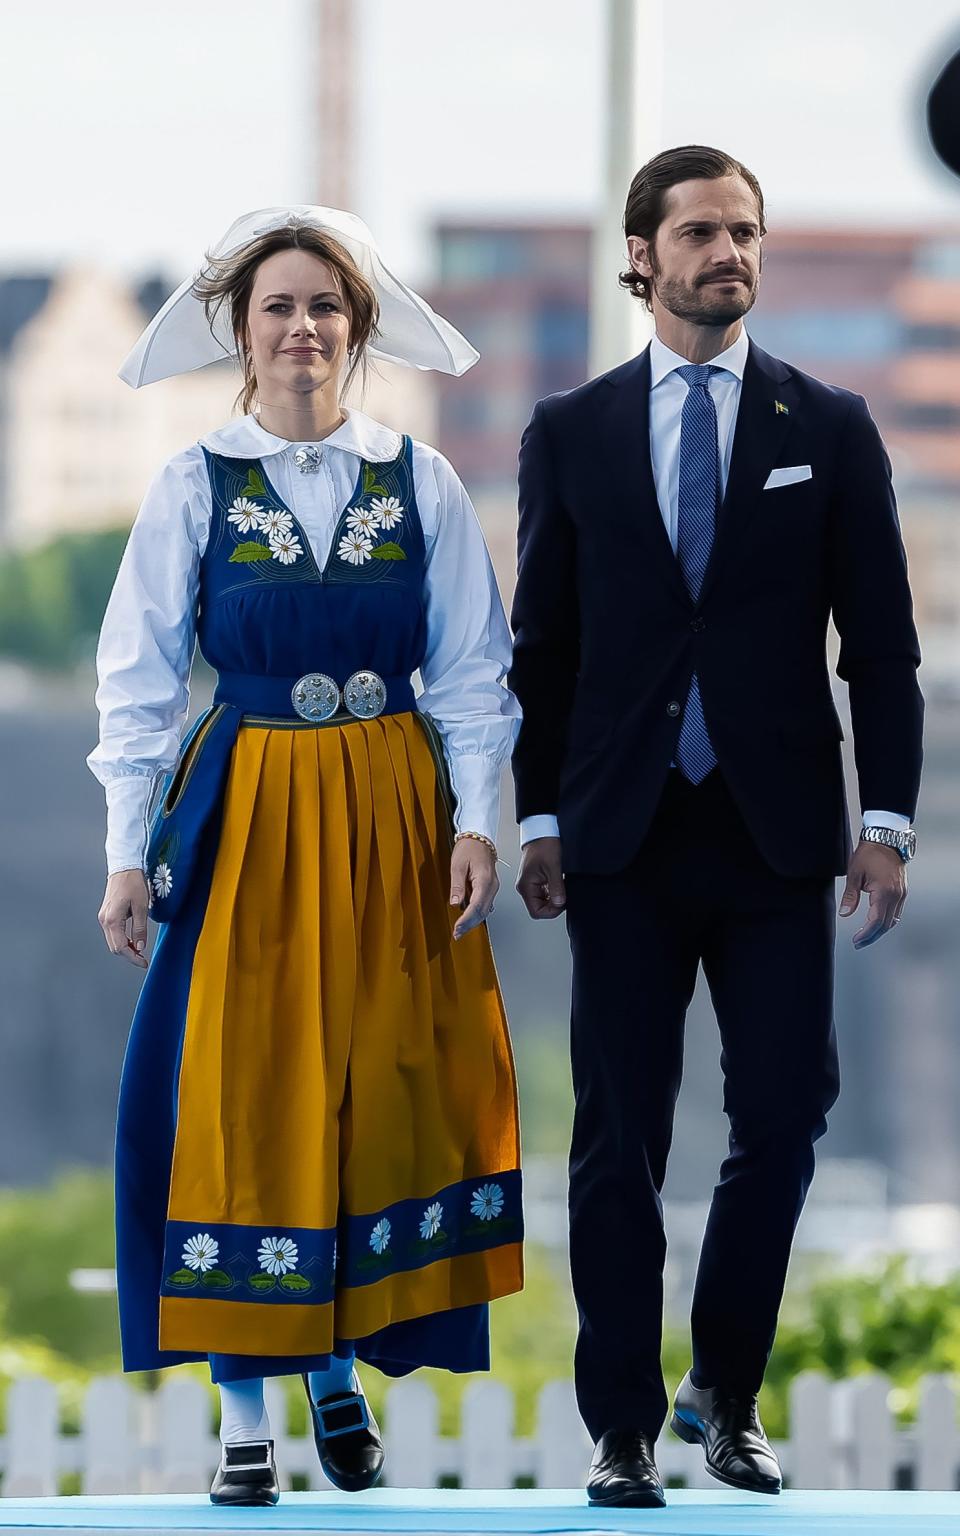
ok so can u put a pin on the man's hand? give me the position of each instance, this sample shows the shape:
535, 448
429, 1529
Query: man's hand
882, 874
540, 881
123, 916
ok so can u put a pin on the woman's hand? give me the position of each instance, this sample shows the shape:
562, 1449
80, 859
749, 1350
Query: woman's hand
123, 915
474, 883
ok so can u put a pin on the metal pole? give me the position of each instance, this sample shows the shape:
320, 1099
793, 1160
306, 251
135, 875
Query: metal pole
619, 325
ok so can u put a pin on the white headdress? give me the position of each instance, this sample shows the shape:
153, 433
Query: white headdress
179, 338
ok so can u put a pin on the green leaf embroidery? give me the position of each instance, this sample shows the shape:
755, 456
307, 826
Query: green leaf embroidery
217, 1280
388, 551
249, 551
295, 1283
254, 485
183, 1277
261, 1282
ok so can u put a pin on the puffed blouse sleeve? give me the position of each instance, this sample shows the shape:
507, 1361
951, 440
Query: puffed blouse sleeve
468, 647
146, 649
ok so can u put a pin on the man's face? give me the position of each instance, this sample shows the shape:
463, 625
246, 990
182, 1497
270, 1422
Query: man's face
704, 261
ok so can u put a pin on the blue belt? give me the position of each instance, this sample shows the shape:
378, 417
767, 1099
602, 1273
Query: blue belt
316, 697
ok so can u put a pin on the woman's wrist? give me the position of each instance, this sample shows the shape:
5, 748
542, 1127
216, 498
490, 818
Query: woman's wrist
479, 837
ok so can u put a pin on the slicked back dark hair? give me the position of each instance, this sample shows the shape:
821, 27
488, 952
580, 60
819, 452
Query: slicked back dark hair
647, 198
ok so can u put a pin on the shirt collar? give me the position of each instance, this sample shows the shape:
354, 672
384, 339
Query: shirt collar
245, 438
663, 361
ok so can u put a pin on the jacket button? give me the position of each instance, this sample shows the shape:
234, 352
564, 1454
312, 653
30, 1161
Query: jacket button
673, 708
698, 625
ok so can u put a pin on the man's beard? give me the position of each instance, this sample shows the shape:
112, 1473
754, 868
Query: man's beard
703, 303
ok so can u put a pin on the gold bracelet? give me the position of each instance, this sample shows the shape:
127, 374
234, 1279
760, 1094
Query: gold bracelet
479, 837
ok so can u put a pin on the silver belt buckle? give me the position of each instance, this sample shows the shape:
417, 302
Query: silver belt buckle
365, 695
315, 696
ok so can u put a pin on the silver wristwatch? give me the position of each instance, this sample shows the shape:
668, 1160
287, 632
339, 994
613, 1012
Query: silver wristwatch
904, 842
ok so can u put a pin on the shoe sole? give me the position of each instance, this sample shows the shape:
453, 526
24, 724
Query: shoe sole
690, 1436
628, 1501
264, 1503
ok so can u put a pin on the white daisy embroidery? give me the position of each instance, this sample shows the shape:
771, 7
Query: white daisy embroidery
275, 521
162, 880
363, 520
285, 547
245, 513
201, 1252
430, 1225
487, 1201
387, 511
355, 547
380, 1236
277, 1254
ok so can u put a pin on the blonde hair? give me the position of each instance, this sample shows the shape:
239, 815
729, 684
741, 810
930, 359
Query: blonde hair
229, 280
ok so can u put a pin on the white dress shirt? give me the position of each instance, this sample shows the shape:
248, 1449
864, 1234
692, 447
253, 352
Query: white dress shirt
149, 628
668, 391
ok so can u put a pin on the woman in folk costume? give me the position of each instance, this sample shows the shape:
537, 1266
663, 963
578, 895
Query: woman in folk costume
318, 1149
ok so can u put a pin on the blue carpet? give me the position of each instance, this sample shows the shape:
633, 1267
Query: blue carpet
690, 1512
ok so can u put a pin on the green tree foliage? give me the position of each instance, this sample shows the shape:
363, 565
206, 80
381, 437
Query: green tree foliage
52, 598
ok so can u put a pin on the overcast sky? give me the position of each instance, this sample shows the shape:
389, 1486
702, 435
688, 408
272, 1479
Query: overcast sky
135, 132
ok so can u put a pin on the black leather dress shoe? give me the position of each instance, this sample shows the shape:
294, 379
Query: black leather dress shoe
348, 1439
623, 1473
728, 1427
247, 1474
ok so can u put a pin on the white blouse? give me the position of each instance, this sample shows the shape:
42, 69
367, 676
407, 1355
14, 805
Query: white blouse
149, 629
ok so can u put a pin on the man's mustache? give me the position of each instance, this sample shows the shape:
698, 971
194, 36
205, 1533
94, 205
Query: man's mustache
724, 277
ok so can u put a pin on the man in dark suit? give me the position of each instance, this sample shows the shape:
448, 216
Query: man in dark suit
689, 523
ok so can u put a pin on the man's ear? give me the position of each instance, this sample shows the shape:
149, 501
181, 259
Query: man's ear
638, 250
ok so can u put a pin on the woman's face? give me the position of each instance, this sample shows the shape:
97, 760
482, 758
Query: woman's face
298, 325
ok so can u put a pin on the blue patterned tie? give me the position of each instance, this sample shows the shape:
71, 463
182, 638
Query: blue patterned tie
697, 501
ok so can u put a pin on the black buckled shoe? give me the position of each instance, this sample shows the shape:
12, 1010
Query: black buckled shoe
728, 1427
623, 1473
247, 1474
348, 1439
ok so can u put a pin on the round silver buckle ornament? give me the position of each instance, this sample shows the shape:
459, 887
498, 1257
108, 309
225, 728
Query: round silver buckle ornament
365, 695
315, 696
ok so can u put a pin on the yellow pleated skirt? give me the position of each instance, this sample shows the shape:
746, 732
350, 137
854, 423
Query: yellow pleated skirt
347, 1147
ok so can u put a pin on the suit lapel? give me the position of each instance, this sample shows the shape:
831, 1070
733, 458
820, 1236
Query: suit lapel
757, 442
624, 409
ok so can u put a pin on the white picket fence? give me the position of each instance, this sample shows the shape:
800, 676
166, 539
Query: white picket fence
842, 1435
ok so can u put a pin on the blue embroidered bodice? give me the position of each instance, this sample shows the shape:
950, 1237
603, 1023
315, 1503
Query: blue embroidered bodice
267, 609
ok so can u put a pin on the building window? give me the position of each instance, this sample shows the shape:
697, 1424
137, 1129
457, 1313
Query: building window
928, 415
862, 335
937, 337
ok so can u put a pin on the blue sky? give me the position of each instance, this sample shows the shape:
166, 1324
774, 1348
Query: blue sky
135, 132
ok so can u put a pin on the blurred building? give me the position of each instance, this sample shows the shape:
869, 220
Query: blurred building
520, 293
80, 445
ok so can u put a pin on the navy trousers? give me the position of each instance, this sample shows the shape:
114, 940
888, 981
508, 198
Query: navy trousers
697, 893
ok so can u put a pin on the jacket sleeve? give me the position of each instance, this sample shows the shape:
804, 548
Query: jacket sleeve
873, 611
546, 625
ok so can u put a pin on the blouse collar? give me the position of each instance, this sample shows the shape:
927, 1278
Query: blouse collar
245, 438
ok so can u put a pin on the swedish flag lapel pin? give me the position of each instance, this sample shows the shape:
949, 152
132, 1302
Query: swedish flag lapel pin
781, 408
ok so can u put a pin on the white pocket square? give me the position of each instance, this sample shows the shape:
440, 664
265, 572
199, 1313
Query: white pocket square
788, 476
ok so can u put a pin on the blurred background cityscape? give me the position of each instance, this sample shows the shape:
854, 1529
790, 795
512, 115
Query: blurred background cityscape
498, 226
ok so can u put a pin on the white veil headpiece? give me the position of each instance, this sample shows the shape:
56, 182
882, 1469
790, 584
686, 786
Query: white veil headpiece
179, 338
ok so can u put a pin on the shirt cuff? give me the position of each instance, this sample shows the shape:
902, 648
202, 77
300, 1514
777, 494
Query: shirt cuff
127, 799
538, 826
891, 819
475, 777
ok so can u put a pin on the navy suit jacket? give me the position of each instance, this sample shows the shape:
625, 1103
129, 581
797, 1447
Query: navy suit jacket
607, 636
